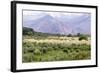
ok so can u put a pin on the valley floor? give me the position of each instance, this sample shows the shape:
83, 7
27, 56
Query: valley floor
55, 49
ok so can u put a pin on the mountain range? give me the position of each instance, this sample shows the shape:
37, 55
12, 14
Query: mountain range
63, 24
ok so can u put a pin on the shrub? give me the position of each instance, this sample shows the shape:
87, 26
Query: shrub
27, 57
44, 50
82, 37
65, 50
69, 35
37, 52
78, 34
41, 52
27, 31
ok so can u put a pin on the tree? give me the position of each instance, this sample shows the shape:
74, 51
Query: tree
83, 37
28, 31
78, 34
69, 35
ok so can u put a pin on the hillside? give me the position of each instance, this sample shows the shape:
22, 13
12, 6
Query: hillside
62, 24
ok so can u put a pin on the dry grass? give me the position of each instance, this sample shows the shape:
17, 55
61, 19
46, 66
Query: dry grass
67, 40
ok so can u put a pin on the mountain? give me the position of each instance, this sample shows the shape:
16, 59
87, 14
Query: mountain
60, 25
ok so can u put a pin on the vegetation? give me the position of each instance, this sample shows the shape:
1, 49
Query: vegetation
28, 31
41, 47
35, 52
69, 35
82, 37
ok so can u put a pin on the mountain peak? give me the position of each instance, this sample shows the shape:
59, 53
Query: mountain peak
62, 25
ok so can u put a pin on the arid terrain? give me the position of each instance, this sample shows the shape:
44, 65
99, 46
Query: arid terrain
54, 48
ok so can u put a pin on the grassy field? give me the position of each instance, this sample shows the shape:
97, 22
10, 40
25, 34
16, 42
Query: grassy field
54, 48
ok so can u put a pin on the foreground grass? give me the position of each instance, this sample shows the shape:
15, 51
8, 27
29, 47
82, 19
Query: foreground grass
43, 51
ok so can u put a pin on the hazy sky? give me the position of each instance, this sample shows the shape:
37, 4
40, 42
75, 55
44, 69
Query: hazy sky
33, 15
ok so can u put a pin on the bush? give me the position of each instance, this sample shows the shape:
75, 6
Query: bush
82, 37
69, 35
78, 34
37, 52
27, 31
41, 52
65, 50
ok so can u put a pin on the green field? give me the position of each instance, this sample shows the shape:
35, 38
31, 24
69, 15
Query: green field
55, 50
40, 47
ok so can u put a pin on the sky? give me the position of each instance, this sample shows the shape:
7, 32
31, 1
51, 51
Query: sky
33, 15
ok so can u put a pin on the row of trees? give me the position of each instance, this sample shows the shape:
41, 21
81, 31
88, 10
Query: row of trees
81, 36
77, 35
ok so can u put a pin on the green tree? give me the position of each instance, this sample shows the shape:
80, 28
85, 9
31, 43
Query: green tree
69, 35
83, 37
28, 31
78, 34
